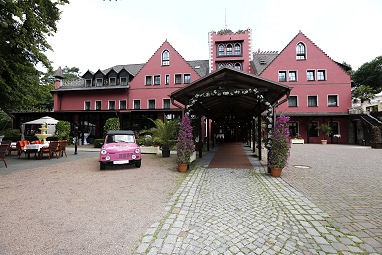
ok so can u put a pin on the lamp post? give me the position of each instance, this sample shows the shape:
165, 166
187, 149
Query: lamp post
75, 139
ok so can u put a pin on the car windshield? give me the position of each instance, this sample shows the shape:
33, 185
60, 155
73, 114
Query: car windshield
120, 139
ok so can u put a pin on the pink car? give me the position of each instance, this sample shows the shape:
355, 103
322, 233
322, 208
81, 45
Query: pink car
119, 148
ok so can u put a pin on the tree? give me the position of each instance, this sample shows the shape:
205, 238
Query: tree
370, 74
363, 93
24, 27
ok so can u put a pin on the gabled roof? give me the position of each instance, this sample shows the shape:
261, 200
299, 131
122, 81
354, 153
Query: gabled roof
200, 66
262, 59
132, 68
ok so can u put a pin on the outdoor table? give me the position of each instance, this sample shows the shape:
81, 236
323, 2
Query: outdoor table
35, 148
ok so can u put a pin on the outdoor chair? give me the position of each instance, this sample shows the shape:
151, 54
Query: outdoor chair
20, 146
62, 147
52, 149
3, 152
12, 147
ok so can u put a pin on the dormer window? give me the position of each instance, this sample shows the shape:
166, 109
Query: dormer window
112, 81
88, 83
300, 51
123, 81
99, 82
237, 49
165, 58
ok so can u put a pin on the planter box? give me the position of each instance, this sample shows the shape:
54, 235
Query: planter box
297, 141
150, 150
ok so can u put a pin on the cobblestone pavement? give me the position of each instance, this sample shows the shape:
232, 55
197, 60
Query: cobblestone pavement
346, 182
245, 211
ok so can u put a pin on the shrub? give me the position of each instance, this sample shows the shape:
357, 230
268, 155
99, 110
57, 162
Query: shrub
279, 151
63, 130
111, 124
184, 144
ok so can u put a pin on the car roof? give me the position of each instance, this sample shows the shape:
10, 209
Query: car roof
120, 132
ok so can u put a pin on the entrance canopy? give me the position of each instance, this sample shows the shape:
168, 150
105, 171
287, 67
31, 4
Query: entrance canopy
48, 120
230, 92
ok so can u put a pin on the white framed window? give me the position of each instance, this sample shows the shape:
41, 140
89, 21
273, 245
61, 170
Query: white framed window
151, 104
88, 83
229, 50
98, 105
332, 100
165, 58
166, 103
167, 79
300, 51
148, 80
292, 101
321, 75
122, 104
310, 75
111, 105
312, 101
237, 49
123, 81
221, 50
99, 82
87, 105
178, 78
112, 81
292, 75
136, 104
156, 79
187, 78
282, 76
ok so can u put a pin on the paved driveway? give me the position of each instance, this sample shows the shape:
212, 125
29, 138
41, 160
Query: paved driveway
343, 180
69, 206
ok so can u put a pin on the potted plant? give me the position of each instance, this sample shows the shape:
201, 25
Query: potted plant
164, 134
184, 144
325, 130
279, 150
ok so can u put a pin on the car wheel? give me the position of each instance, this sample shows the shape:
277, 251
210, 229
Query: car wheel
102, 166
138, 164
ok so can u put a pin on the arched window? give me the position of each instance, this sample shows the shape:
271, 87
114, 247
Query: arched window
229, 65
300, 51
229, 50
237, 66
221, 50
237, 49
220, 65
165, 58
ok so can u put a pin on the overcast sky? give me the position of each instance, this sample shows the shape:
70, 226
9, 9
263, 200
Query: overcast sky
97, 34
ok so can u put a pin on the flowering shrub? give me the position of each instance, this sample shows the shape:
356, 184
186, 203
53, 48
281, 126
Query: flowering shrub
279, 150
184, 144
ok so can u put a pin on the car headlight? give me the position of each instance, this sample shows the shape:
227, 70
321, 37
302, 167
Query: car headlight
103, 152
107, 158
133, 156
137, 150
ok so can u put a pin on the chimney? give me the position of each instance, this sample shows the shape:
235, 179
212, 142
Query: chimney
58, 75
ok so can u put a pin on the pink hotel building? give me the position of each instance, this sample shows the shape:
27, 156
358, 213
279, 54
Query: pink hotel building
321, 87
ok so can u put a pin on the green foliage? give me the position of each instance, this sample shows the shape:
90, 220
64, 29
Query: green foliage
146, 140
63, 130
111, 124
5, 121
370, 74
164, 132
24, 27
363, 93
325, 130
